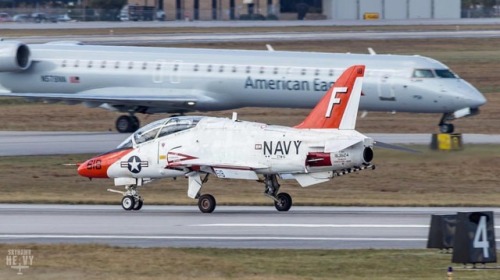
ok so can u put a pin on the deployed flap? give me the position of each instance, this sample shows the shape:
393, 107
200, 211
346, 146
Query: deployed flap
338, 145
125, 96
309, 179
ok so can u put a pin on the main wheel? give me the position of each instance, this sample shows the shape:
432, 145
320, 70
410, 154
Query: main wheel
126, 124
447, 128
284, 202
128, 202
206, 203
138, 204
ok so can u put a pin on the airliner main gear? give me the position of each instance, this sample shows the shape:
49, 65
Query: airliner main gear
127, 123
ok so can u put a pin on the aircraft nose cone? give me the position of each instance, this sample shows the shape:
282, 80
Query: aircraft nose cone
98, 167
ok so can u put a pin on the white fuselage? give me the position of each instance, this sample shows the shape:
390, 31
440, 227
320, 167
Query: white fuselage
224, 144
225, 79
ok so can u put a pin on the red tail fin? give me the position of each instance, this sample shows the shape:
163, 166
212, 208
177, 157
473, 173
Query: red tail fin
339, 107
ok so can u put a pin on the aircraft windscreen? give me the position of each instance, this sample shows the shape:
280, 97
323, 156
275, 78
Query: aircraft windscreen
445, 73
423, 73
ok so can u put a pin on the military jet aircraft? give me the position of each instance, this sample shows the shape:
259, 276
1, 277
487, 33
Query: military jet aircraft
179, 80
323, 146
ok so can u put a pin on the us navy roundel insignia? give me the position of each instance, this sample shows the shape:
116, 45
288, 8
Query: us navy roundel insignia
134, 164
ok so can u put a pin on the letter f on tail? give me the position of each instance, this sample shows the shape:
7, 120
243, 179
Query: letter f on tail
339, 107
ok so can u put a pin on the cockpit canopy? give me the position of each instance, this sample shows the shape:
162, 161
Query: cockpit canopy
160, 128
433, 73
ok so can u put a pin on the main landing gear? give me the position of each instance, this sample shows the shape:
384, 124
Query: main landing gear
131, 199
125, 124
445, 127
282, 201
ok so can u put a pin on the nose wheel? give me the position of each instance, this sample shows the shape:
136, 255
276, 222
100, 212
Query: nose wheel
132, 203
445, 127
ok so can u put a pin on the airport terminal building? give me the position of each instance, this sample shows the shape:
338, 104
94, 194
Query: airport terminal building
302, 9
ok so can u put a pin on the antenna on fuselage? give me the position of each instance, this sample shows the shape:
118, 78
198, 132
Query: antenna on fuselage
371, 51
269, 47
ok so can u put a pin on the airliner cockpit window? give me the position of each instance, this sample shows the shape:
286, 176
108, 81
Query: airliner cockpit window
423, 73
445, 73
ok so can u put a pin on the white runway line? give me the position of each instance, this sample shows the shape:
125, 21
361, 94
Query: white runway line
313, 225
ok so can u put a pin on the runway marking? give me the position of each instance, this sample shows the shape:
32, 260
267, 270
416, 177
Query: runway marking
313, 225
178, 237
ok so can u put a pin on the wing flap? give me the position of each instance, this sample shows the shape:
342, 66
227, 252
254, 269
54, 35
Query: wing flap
124, 96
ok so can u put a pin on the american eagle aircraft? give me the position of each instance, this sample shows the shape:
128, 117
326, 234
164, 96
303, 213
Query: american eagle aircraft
323, 146
179, 80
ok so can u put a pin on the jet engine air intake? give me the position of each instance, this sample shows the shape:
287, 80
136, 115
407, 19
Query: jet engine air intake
14, 56
367, 155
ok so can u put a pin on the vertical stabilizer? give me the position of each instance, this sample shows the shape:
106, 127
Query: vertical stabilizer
339, 107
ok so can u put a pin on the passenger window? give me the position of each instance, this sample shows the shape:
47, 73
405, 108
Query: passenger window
262, 70
64, 63
117, 65
316, 73
303, 72
248, 69
221, 68
423, 73
330, 73
130, 65
103, 64
275, 70
235, 69
90, 64
158, 66
209, 68
176, 67
196, 68
144, 66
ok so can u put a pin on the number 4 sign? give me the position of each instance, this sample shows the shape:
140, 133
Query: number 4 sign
474, 238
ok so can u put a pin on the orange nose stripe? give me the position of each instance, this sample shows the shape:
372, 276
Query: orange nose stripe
98, 166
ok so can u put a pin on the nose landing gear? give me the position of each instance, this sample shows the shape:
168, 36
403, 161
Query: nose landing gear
131, 199
445, 127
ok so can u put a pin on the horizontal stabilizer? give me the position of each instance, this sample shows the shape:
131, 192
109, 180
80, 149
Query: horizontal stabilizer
309, 179
394, 147
339, 145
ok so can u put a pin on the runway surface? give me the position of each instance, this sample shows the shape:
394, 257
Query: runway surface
145, 39
226, 227
19, 143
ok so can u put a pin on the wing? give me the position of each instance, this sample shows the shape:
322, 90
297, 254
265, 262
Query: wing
233, 170
118, 97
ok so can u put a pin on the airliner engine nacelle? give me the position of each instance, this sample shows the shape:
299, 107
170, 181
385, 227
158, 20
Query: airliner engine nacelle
14, 56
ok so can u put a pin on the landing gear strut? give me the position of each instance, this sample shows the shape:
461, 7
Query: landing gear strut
131, 199
282, 201
126, 123
445, 127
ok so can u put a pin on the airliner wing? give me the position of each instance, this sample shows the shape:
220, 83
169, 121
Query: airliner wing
124, 96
